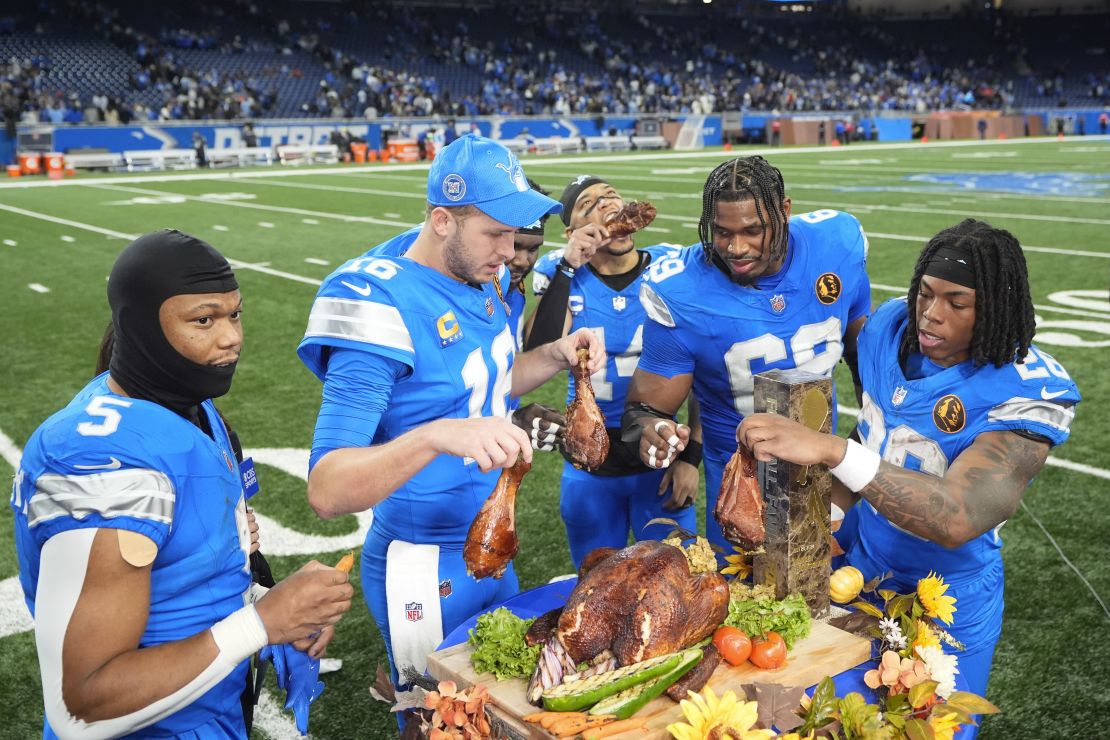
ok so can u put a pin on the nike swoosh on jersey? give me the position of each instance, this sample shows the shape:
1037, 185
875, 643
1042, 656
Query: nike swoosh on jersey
363, 290
1046, 395
114, 464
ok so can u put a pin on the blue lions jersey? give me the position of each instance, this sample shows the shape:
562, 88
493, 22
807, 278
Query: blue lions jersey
725, 333
925, 424
615, 316
108, 461
516, 301
458, 346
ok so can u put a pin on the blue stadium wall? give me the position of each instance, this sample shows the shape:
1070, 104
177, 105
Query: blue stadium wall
178, 135
173, 135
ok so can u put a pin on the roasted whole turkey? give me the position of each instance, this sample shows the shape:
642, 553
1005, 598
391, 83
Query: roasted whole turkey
491, 543
740, 505
585, 439
641, 602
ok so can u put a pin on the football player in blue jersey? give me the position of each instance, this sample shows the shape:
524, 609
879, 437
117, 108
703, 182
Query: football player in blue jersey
545, 425
419, 362
767, 290
131, 526
595, 282
959, 413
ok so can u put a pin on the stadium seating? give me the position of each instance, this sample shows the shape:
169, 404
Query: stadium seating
245, 60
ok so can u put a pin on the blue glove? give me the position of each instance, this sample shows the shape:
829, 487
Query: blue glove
298, 675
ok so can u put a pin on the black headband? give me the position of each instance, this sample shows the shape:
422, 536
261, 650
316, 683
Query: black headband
535, 229
571, 193
952, 264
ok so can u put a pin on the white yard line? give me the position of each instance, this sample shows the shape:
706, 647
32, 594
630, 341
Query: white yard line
1047, 250
260, 206
1066, 560
336, 189
238, 264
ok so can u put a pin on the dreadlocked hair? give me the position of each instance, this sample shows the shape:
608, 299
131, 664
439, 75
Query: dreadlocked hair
1004, 324
738, 180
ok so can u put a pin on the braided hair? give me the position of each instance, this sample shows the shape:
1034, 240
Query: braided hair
1004, 324
738, 180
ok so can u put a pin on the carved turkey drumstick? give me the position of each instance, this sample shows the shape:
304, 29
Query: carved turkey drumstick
585, 439
634, 217
740, 505
491, 543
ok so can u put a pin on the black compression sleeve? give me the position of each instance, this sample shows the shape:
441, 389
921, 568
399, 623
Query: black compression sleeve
551, 313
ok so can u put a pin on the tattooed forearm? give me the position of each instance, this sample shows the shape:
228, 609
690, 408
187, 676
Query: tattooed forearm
981, 489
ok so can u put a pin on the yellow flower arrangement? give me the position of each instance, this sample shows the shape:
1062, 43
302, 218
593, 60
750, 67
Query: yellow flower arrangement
930, 592
707, 716
944, 724
925, 637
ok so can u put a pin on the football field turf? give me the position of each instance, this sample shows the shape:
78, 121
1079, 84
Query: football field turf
287, 229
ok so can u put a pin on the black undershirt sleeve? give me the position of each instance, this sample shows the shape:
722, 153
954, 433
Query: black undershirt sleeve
551, 313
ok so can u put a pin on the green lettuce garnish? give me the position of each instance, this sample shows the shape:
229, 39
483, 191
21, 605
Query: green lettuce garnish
499, 647
789, 617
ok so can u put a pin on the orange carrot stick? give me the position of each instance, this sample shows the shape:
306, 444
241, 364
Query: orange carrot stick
573, 726
346, 563
553, 717
614, 728
535, 717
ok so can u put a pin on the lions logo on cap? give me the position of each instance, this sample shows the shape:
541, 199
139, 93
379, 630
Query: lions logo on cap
949, 414
515, 173
828, 288
454, 187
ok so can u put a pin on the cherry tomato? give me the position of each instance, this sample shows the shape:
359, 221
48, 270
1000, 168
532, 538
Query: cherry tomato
733, 645
769, 652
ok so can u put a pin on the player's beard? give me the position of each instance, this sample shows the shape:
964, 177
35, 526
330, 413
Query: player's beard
460, 262
622, 249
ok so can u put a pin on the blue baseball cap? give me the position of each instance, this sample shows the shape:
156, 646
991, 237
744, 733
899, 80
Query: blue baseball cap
476, 171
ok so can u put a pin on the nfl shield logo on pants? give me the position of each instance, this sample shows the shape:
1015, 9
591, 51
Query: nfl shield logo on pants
414, 611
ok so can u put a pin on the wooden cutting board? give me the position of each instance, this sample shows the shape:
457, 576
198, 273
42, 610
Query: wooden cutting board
826, 652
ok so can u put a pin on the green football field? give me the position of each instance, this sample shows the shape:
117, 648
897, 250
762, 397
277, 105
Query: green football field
286, 229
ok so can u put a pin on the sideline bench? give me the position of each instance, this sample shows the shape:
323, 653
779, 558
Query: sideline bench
308, 153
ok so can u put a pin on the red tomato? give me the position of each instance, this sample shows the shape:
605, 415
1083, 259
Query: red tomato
733, 644
770, 652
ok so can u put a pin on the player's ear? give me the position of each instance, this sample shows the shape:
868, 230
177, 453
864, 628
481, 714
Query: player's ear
440, 220
786, 208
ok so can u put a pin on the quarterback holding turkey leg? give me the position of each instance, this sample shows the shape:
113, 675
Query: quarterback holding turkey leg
415, 346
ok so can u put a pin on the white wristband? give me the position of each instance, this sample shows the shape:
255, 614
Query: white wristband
240, 635
858, 468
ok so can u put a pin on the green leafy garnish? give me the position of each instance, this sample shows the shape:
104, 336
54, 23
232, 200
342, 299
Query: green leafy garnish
789, 617
499, 647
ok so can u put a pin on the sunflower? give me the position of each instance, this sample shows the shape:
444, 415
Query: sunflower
738, 566
925, 637
944, 724
930, 592
705, 713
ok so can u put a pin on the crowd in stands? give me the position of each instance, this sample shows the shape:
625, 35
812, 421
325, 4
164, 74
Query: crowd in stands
561, 63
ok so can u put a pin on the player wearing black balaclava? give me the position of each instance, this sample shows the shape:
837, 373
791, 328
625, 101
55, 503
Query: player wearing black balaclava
153, 268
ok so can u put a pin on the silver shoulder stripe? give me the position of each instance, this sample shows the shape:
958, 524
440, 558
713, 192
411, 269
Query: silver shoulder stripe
1055, 415
136, 492
654, 306
359, 321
